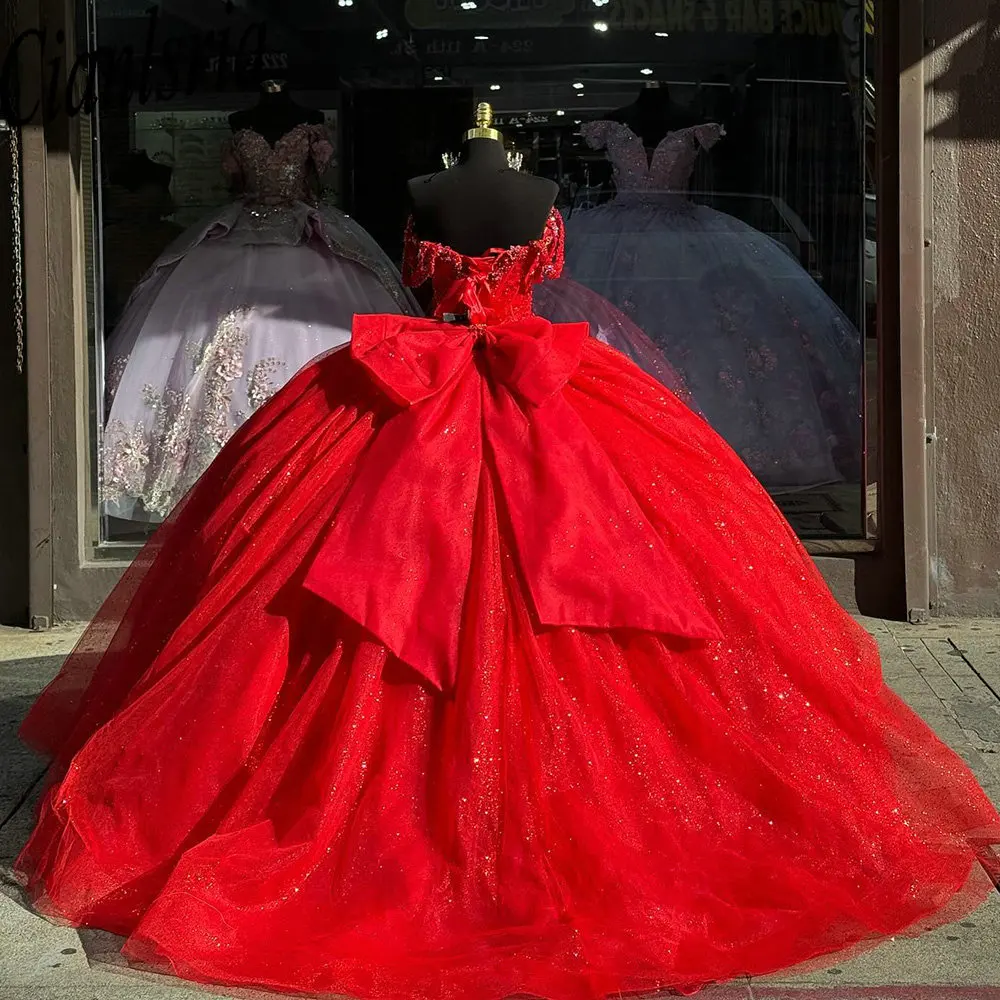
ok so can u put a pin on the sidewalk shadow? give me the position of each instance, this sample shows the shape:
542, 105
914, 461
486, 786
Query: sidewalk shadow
22, 774
21, 770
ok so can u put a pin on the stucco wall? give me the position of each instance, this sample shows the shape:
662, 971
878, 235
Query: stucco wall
963, 316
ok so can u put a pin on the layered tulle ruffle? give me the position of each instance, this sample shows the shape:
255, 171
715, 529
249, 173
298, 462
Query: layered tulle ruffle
252, 790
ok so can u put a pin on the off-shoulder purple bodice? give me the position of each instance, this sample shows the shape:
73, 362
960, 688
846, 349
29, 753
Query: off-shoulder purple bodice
282, 173
668, 171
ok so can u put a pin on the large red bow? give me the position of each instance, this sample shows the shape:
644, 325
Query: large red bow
487, 401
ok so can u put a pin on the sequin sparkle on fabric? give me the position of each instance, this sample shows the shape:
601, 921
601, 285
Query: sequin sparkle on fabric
502, 279
673, 160
254, 790
282, 173
227, 314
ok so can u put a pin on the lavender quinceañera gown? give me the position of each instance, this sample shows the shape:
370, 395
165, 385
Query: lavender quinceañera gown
768, 358
228, 314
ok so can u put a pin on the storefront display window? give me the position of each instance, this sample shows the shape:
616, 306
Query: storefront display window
714, 162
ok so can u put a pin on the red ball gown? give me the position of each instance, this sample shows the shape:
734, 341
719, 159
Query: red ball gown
477, 665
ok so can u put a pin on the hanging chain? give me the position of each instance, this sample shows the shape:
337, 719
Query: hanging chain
10, 134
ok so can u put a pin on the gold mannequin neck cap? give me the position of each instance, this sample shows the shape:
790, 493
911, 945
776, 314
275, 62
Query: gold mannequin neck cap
483, 129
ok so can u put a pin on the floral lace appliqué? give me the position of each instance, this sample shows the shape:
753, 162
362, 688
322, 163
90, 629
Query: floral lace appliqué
158, 459
261, 385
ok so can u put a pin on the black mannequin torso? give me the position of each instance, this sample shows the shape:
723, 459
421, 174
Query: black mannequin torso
653, 114
480, 203
275, 114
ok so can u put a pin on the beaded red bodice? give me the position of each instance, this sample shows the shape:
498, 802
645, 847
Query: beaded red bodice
493, 288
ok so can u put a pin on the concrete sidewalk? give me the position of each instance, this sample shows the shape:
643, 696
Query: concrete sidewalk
949, 672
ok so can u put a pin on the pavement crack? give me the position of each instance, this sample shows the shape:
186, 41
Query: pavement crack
972, 666
22, 800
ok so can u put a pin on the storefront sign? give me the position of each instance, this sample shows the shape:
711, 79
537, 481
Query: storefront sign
450, 14
269, 62
446, 47
851, 40
164, 69
523, 119
743, 17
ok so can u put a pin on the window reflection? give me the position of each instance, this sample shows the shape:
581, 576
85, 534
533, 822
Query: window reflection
714, 161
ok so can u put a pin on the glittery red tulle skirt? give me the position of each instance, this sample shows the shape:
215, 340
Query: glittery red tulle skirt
252, 790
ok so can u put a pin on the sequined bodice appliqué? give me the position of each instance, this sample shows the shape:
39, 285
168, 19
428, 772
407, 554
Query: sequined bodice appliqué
668, 171
495, 287
278, 174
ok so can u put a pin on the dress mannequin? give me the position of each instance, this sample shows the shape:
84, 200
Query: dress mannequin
481, 203
273, 279
275, 113
653, 114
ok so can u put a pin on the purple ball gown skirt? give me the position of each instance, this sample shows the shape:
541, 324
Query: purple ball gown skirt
224, 318
768, 358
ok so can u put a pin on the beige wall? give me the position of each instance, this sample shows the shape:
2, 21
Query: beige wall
963, 310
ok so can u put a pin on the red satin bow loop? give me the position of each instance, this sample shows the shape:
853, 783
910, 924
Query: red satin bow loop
479, 406
463, 297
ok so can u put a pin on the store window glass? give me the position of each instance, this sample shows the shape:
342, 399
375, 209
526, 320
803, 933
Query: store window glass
714, 162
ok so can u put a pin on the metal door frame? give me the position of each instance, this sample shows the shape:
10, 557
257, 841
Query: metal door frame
66, 581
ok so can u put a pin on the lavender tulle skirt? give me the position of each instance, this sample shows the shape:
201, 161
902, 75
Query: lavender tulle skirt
221, 322
566, 301
767, 357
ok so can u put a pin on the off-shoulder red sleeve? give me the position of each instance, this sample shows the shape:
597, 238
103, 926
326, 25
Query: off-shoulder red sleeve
555, 246
416, 257
549, 251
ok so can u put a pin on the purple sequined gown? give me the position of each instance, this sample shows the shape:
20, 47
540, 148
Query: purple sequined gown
228, 314
768, 357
